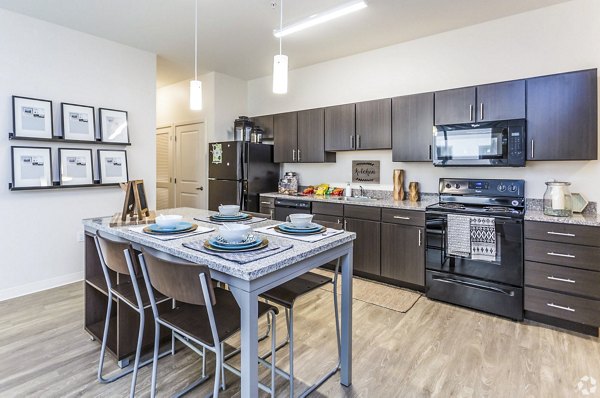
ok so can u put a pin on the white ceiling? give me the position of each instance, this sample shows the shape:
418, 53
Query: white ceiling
236, 36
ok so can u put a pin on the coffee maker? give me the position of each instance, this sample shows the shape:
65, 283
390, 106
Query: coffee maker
242, 128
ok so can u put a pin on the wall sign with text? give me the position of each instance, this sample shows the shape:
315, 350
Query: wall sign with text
365, 171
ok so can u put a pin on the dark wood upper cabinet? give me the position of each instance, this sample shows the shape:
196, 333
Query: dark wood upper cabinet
286, 137
485, 103
455, 106
403, 253
366, 250
340, 127
311, 137
501, 101
562, 116
266, 123
374, 124
412, 128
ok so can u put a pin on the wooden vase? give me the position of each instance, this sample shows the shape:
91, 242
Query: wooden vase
398, 184
413, 191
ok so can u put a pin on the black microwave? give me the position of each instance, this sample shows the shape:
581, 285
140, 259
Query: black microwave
500, 144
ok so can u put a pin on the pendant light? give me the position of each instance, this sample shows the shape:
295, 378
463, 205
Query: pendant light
196, 85
280, 63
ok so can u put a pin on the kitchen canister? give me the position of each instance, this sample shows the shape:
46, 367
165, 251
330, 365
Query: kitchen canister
557, 199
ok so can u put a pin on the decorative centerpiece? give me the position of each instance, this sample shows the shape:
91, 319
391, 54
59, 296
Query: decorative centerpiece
398, 184
413, 191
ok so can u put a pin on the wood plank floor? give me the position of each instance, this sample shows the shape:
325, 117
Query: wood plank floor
434, 350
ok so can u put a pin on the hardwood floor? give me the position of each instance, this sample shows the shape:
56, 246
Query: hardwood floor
434, 350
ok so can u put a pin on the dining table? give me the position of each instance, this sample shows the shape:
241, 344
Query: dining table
248, 280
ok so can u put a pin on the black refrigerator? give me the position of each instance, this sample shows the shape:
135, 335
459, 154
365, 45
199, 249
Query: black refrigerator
238, 172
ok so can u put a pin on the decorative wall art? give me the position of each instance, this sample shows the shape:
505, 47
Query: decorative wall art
113, 126
32, 118
78, 122
31, 167
113, 166
75, 166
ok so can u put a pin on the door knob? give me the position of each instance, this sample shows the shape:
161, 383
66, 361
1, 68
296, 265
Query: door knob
200, 189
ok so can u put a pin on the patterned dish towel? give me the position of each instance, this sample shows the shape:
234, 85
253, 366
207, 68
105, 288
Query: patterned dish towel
459, 235
483, 238
239, 257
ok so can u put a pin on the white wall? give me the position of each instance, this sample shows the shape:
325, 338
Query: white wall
38, 231
554, 39
223, 100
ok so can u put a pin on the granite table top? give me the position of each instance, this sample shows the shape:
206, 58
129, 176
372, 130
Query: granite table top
592, 220
384, 202
253, 270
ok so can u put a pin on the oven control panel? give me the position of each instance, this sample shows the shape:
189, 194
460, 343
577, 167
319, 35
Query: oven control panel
484, 187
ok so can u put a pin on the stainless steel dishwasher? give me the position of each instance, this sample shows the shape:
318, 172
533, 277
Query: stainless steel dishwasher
285, 207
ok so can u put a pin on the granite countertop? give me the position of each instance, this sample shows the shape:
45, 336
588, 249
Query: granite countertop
576, 219
386, 201
248, 271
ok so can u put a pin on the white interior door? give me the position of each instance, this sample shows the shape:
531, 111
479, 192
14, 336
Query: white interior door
190, 166
165, 193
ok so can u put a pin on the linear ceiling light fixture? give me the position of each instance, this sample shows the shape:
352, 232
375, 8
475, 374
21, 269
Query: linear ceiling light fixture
280, 63
196, 85
321, 17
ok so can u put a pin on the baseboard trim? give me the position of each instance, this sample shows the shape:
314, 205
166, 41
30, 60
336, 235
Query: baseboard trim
38, 286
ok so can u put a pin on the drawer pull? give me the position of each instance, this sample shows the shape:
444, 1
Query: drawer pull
560, 307
560, 234
552, 278
560, 255
265, 203
402, 218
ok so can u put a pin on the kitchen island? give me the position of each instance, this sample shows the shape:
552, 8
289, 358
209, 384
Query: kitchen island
246, 281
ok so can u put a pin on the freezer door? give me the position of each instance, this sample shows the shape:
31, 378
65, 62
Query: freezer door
225, 160
223, 192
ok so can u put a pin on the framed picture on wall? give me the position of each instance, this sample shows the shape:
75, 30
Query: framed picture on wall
31, 167
75, 166
78, 122
112, 165
32, 118
113, 126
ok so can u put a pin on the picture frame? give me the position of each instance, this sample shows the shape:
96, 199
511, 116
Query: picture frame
78, 122
135, 200
75, 166
32, 118
31, 167
114, 125
112, 166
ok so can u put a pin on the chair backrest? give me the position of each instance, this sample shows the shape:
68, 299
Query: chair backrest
111, 250
329, 224
259, 215
176, 278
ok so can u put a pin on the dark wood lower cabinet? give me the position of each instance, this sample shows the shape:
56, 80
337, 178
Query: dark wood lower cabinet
367, 245
403, 253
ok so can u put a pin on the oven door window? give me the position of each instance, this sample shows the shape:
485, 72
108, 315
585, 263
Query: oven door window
471, 144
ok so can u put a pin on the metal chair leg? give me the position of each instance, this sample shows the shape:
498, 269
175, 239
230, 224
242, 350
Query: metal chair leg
138, 352
104, 339
218, 369
273, 354
223, 383
290, 321
155, 359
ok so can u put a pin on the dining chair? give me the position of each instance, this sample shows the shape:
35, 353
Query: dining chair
205, 315
117, 255
286, 295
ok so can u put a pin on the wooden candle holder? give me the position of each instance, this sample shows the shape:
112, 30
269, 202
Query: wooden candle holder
398, 184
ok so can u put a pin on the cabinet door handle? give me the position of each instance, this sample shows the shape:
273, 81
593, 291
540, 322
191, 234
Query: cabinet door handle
352, 141
345, 224
265, 203
560, 255
293, 155
298, 154
471, 112
338, 221
532, 151
560, 307
552, 278
402, 217
358, 141
481, 111
560, 233
429, 153
420, 238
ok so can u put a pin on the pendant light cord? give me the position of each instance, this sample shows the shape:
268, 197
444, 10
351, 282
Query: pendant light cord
196, 43
280, 23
